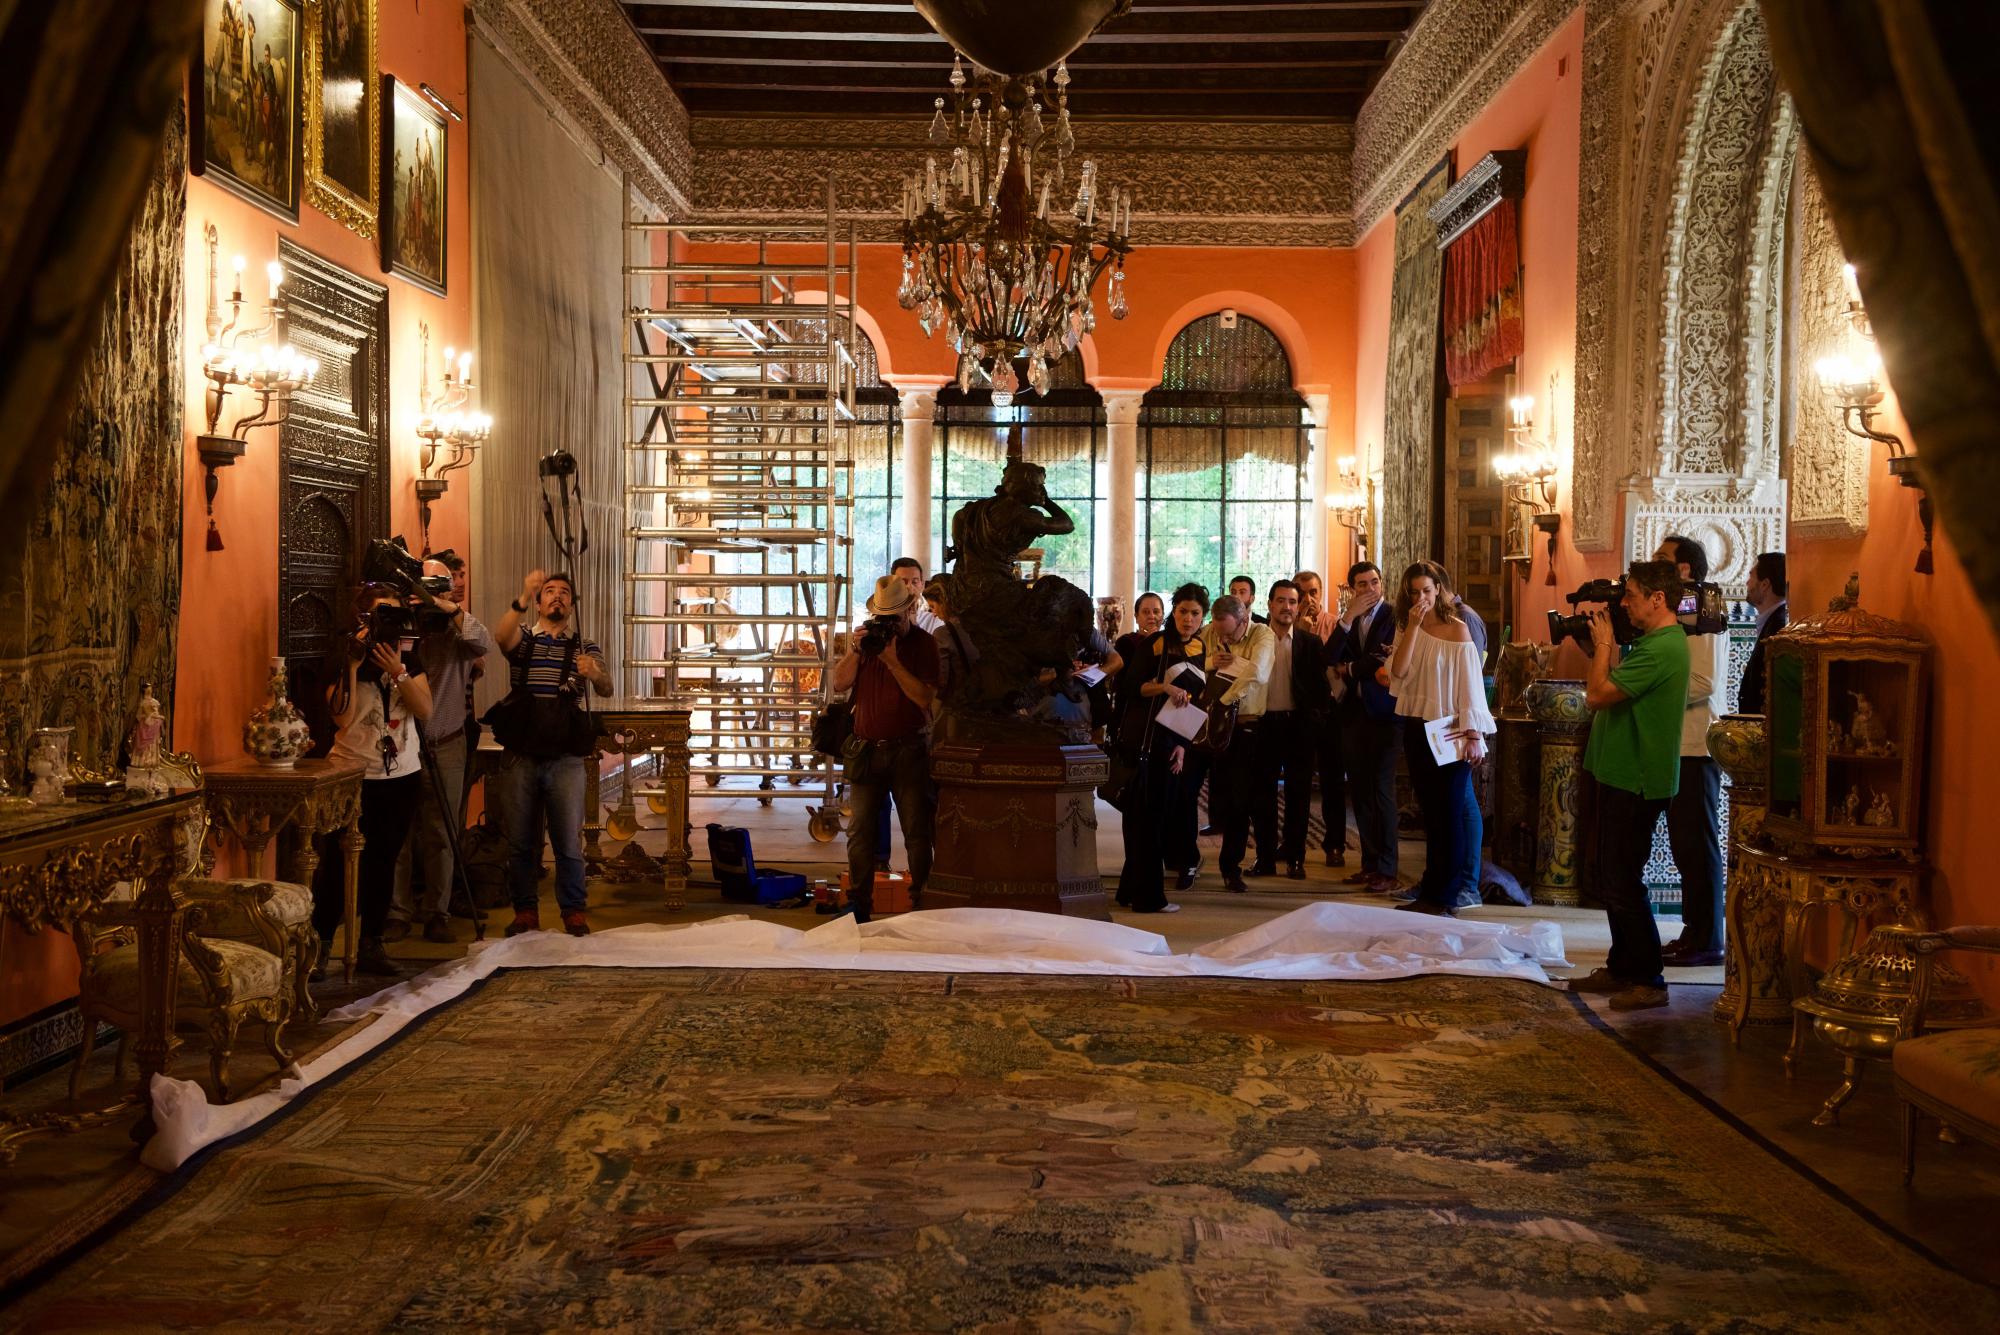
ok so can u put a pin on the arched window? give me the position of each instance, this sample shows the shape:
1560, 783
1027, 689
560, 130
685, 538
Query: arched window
1224, 447
1062, 430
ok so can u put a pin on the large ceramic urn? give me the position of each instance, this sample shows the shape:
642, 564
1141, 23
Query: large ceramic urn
1562, 721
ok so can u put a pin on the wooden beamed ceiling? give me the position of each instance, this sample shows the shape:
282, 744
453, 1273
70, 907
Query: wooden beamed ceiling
1203, 59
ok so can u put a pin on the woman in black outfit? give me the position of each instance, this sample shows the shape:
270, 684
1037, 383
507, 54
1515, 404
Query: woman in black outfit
1162, 794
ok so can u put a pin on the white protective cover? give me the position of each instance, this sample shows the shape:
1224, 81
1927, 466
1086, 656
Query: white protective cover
1318, 941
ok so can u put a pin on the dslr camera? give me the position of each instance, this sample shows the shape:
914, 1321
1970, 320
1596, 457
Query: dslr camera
876, 632
1702, 611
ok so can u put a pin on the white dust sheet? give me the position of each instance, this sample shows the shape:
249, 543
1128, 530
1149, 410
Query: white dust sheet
1318, 941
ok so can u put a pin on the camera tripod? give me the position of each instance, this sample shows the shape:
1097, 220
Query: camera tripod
454, 820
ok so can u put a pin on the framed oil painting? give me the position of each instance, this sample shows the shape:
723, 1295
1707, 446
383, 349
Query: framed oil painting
414, 176
343, 90
243, 101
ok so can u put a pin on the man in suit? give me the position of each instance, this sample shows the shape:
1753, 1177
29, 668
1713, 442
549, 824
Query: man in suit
1294, 703
1244, 590
1767, 595
1362, 638
1316, 616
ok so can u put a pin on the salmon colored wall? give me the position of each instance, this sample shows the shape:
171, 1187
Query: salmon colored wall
1540, 109
1965, 681
229, 614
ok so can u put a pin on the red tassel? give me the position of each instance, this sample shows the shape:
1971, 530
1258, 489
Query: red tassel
214, 538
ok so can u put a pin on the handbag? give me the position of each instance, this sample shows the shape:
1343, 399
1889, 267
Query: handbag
1216, 734
831, 728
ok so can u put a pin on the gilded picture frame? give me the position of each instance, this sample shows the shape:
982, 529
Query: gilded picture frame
416, 181
243, 102
343, 111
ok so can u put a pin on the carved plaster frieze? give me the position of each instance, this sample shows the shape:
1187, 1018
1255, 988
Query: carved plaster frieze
586, 56
1459, 54
1194, 184
1829, 466
1732, 523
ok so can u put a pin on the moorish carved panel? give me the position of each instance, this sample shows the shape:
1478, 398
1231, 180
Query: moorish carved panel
1829, 467
333, 468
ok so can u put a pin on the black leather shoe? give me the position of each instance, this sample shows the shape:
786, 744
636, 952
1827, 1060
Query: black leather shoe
1234, 885
1185, 879
1295, 871
372, 960
1261, 868
1208, 831
1429, 906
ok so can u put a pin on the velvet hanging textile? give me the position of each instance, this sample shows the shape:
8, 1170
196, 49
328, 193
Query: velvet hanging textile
1482, 297
1897, 101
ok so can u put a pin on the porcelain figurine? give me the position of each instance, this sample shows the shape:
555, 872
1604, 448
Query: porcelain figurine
143, 771
1850, 810
1836, 740
45, 765
1880, 813
277, 735
1865, 728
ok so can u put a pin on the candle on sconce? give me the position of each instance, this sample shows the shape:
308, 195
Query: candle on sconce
276, 273
464, 368
237, 264
1346, 465
1853, 284
1522, 407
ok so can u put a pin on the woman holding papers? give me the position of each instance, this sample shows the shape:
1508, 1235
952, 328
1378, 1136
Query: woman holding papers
1434, 674
1160, 815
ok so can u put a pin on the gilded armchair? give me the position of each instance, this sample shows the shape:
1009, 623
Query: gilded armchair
224, 982
1953, 1075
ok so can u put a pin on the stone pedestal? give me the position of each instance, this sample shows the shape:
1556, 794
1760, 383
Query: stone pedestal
1562, 722
1017, 828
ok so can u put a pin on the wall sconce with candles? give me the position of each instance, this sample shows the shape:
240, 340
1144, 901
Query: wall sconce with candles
1350, 503
236, 357
1527, 473
450, 435
1853, 379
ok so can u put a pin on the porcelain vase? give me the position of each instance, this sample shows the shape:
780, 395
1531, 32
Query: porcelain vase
277, 735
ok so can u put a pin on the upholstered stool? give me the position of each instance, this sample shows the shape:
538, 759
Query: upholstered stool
1953, 1076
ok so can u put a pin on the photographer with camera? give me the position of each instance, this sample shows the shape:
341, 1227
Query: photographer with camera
549, 740
892, 669
1694, 829
379, 698
1631, 771
451, 643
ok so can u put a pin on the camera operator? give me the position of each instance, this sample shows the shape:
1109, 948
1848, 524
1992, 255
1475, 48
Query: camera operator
1631, 771
379, 697
1693, 817
892, 668
450, 645
548, 740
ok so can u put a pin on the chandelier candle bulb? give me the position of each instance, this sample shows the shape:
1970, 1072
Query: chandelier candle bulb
238, 264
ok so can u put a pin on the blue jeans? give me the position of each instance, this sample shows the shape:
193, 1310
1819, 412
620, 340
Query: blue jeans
1452, 827
531, 791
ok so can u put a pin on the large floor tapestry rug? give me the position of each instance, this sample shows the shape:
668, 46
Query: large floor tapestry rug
816, 1151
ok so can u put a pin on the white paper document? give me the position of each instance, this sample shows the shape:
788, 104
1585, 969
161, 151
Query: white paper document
1444, 747
1184, 720
1089, 675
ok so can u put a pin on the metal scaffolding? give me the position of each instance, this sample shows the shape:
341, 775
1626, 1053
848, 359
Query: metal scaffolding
739, 488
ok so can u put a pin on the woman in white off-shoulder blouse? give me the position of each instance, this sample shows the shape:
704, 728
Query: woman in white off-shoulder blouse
1435, 674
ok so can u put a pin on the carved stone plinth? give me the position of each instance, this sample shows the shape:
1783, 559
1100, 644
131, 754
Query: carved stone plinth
1562, 722
1017, 828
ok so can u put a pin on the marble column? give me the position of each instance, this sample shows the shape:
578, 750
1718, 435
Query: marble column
1121, 420
918, 409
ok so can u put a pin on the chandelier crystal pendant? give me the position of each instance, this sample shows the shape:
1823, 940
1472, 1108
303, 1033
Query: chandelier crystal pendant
990, 254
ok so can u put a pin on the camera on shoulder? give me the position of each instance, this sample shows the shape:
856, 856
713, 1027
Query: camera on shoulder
1701, 611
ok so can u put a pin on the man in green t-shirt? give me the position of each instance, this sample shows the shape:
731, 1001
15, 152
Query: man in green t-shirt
1632, 767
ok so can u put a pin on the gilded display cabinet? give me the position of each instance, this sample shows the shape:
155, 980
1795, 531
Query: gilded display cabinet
1845, 698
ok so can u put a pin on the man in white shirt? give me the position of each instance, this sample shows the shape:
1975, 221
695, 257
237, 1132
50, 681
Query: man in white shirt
910, 571
1693, 827
1240, 649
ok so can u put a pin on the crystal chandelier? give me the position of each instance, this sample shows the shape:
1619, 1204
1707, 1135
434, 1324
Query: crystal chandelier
987, 256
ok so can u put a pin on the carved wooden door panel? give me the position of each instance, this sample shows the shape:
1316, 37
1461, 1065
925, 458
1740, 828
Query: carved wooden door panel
333, 471
1475, 518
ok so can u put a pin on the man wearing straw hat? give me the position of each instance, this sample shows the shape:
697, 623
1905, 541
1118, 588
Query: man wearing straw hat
891, 666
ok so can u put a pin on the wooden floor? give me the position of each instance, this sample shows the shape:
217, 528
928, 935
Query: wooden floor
1949, 1210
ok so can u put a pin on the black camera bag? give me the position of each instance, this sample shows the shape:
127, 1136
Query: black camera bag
541, 728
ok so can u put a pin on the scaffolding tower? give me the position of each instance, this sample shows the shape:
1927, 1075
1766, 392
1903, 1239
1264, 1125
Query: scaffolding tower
739, 491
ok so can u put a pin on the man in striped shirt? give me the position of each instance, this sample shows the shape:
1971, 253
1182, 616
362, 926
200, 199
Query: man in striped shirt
545, 777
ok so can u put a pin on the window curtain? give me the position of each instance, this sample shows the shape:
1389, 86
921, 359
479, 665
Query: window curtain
551, 306
1482, 297
1897, 101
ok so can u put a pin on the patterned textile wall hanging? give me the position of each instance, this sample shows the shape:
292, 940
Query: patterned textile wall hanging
90, 598
1482, 297
1410, 398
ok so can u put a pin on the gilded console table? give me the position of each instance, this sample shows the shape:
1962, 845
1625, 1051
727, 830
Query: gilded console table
252, 803
59, 862
661, 730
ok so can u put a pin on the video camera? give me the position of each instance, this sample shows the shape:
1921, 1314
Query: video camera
388, 562
876, 632
1702, 611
